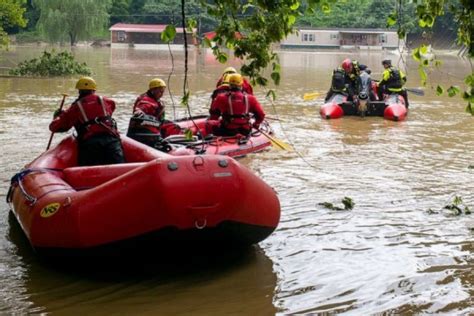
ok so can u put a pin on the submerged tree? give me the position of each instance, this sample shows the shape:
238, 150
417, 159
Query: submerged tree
72, 19
11, 15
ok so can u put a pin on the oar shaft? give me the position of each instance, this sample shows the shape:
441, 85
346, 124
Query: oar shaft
52, 133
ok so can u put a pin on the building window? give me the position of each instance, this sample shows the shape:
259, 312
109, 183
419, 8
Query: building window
334, 36
121, 36
309, 38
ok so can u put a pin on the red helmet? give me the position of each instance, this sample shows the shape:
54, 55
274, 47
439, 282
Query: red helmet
347, 65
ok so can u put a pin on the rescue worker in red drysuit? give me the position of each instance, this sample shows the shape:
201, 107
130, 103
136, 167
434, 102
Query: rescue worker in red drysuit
246, 87
234, 109
151, 110
91, 115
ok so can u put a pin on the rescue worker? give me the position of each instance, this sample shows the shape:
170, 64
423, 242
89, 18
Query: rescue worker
392, 81
246, 87
234, 109
345, 80
91, 115
149, 114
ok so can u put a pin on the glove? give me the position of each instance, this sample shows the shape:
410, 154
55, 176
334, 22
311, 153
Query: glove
57, 113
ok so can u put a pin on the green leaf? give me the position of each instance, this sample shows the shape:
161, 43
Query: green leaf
391, 19
271, 93
168, 34
453, 90
326, 8
469, 80
439, 90
295, 5
276, 77
423, 49
188, 134
416, 54
423, 75
222, 57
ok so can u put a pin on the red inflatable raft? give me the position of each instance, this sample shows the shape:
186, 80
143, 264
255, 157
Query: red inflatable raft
154, 197
392, 108
202, 143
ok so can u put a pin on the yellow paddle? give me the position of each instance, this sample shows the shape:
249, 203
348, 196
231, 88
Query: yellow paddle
276, 142
311, 96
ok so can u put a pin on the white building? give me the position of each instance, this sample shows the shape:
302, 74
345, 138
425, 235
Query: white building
316, 38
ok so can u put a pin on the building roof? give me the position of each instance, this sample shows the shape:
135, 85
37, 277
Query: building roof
348, 30
141, 28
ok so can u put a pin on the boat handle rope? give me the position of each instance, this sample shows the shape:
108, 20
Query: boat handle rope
16, 180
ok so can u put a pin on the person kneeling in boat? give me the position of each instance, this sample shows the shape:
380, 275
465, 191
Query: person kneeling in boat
246, 86
345, 80
234, 109
392, 81
91, 116
149, 116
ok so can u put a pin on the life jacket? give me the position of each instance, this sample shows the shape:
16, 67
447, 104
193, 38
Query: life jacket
338, 80
395, 79
90, 123
150, 106
223, 88
231, 119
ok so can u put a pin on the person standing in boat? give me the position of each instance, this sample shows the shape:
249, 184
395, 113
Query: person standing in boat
246, 86
151, 110
91, 115
230, 112
392, 81
345, 80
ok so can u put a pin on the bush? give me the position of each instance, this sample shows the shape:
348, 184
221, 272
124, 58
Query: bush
51, 64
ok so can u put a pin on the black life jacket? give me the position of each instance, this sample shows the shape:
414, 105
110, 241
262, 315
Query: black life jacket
338, 80
395, 80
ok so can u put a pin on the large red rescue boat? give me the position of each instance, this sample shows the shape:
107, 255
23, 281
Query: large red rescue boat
65, 208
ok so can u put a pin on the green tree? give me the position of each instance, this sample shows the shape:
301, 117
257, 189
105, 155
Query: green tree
119, 11
11, 15
72, 19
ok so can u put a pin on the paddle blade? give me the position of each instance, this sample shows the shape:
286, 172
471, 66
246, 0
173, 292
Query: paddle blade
277, 143
311, 96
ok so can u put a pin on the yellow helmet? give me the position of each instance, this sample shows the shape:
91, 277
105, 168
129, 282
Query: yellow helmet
156, 83
230, 70
225, 79
86, 83
236, 80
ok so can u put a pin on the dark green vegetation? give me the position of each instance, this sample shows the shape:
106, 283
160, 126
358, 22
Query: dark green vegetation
51, 64
456, 208
346, 201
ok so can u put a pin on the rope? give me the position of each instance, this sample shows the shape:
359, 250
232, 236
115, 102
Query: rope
16, 180
286, 136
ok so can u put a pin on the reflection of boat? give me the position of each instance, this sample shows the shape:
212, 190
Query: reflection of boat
62, 207
224, 279
201, 142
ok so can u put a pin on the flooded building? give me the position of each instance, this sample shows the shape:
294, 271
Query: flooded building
145, 36
335, 38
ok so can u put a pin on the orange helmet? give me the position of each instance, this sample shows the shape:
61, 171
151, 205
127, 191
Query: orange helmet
347, 65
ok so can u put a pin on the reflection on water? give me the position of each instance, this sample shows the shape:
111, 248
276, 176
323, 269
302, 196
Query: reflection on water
388, 254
